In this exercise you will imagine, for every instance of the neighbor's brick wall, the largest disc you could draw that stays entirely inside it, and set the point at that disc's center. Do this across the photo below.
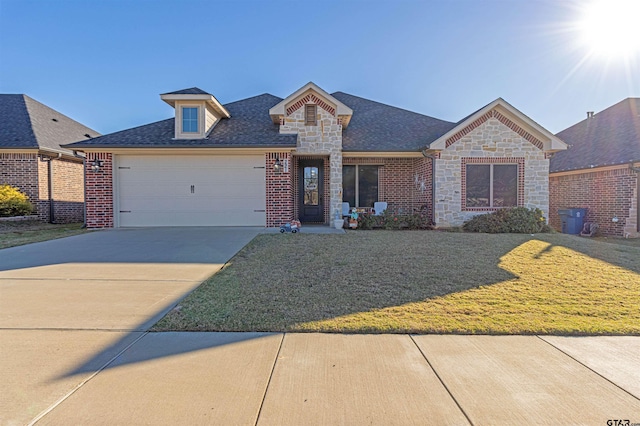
(68, 191)
(606, 194)
(99, 192)
(490, 138)
(21, 171)
(29, 173)
(279, 191)
(397, 181)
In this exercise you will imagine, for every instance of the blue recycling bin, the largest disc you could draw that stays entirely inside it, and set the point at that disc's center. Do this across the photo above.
(572, 220)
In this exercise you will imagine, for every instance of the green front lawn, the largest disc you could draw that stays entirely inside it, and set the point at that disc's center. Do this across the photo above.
(25, 232)
(420, 282)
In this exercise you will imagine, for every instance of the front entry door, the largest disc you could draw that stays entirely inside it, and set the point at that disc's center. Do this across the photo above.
(311, 191)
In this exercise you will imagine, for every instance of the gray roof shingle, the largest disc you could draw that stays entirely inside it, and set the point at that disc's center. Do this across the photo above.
(26, 123)
(190, 91)
(249, 126)
(610, 137)
(380, 127)
(373, 127)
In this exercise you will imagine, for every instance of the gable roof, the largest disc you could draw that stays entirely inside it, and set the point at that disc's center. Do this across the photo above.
(508, 115)
(608, 138)
(250, 126)
(27, 124)
(341, 110)
(379, 127)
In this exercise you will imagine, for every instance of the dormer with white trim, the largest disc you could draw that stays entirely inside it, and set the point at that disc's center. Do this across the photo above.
(196, 112)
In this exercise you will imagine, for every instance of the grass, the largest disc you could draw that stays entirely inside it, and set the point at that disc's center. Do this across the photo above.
(16, 233)
(420, 282)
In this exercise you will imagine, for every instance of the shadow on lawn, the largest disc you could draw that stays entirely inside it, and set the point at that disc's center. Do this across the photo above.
(280, 281)
(274, 285)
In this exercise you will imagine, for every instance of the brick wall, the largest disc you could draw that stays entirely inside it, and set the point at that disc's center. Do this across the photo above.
(29, 173)
(279, 190)
(404, 183)
(68, 191)
(21, 171)
(606, 194)
(99, 192)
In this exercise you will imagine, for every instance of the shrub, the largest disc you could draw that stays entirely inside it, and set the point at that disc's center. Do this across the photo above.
(13, 202)
(517, 220)
(394, 219)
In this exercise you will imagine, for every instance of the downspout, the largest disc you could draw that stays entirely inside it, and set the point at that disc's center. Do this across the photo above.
(48, 159)
(636, 170)
(84, 187)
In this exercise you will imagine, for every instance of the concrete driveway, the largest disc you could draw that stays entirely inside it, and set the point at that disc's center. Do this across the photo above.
(68, 306)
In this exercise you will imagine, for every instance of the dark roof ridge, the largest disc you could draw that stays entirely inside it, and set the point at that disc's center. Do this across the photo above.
(120, 131)
(390, 106)
(59, 113)
(189, 91)
(252, 97)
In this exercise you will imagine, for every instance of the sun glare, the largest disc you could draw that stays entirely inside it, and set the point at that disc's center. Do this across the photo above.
(611, 28)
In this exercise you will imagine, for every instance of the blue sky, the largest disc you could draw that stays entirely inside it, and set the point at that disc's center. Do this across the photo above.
(104, 63)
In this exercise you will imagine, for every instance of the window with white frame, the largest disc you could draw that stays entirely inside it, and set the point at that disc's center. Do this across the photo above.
(189, 120)
(360, 185)
(491, 185)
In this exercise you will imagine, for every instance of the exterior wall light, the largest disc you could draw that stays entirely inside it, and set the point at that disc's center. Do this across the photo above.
(277, 166)
(96, 164)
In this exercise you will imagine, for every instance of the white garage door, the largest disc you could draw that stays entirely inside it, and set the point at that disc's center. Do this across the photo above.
(190, 190)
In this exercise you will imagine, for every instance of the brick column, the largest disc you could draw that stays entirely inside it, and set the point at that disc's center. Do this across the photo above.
(99, 191)
(279, 190)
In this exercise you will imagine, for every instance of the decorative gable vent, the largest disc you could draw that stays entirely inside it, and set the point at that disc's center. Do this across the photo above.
(310, 115)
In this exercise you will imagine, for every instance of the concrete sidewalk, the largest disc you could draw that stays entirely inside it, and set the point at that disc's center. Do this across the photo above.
(327, 379)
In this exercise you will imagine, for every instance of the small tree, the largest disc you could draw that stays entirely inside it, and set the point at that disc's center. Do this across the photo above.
(13, 202)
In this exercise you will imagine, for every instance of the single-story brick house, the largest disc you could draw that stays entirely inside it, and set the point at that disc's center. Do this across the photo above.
(265, 160)
(32, 159)
(599, 170)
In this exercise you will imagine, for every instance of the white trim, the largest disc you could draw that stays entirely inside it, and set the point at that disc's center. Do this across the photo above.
(188, 151)
(210, 99)
(279, 110)
(379, 154)
(551, 142)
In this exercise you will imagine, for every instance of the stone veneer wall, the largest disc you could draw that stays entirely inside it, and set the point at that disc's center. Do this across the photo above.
(491, 139)
(605, 193)
(324, 139)
(99, 195)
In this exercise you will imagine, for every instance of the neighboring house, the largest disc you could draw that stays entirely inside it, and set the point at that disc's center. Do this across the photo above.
(266, 160)
(32, 159)
(600, 170)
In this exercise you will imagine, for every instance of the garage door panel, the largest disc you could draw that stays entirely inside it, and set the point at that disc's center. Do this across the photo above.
(191, 190)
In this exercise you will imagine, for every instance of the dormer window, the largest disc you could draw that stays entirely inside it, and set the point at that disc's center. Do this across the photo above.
(190, 120)
(310, 115)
